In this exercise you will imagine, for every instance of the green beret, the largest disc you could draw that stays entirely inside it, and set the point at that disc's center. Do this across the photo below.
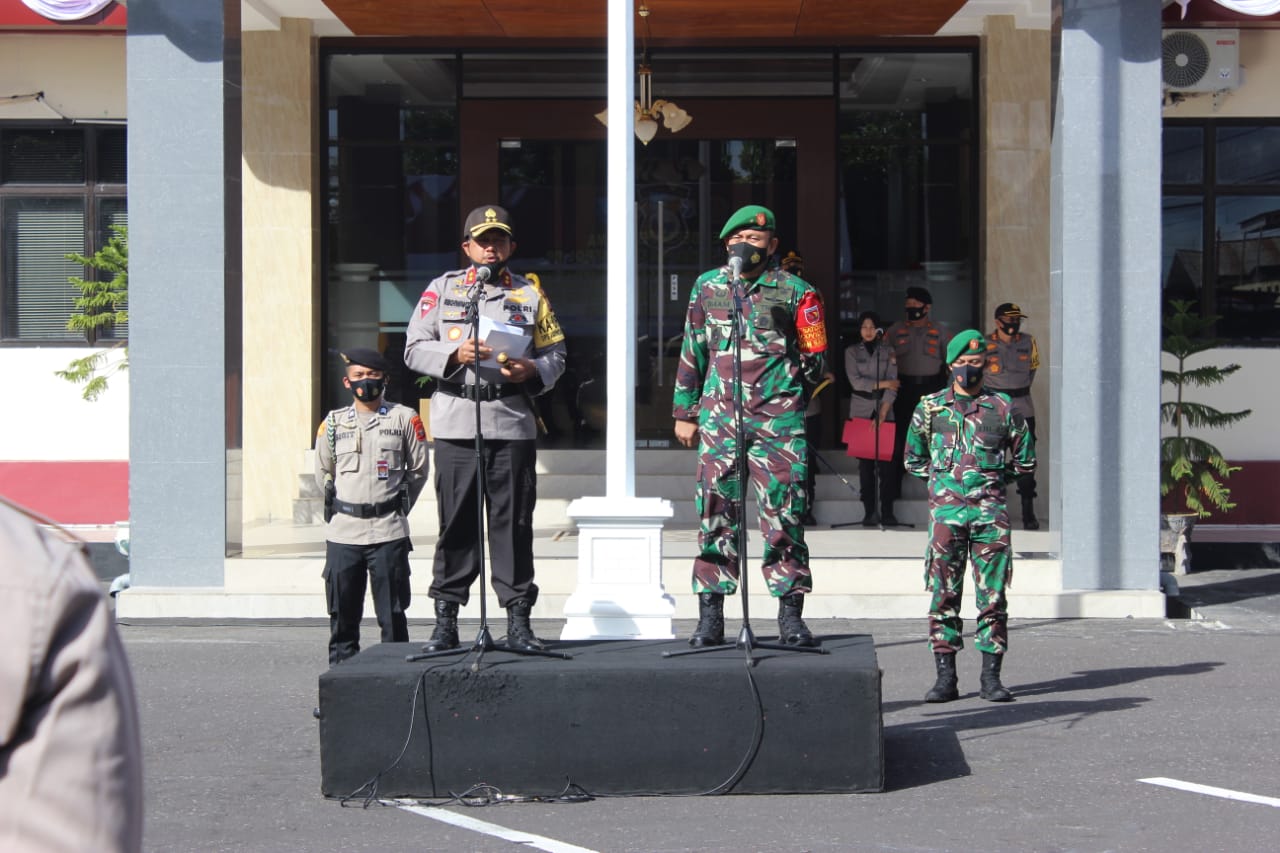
(751, 216)
(968, 342)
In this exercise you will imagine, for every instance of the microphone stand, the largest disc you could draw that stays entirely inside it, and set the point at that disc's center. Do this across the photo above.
(484, 639)
(746, 638)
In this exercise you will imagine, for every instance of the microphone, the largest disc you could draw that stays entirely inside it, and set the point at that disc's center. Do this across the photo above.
(484, 272)
(735, 268)
(879, 332)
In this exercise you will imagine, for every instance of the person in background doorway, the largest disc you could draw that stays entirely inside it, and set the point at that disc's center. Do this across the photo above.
(873, 375)
(1012, 361)
(919, 345)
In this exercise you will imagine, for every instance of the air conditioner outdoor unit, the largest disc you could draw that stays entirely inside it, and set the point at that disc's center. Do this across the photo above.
(1201, 60)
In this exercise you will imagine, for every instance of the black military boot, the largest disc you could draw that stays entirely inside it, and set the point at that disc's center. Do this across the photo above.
(710, 630)
(887, 518)
(870, 518)
(445, 636)
(1029, 520)
(791, 628)
(992, 689)
(945, 689)
(519, 632)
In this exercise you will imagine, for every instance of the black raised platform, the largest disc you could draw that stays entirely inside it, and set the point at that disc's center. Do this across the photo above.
(617, 719)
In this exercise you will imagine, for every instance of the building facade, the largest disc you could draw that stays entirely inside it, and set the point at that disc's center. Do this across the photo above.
(297, 172)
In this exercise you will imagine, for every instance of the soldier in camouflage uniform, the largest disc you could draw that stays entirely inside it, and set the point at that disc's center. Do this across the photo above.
(783, 358)
(439, 343)
(1012, 361)
(968, 443)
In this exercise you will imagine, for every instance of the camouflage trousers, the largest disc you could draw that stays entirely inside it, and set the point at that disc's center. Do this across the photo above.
(776, 469)
(980, 534)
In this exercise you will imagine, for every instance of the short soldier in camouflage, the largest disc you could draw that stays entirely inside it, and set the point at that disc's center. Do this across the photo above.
(1012, 361)
(968, 443)
(371, 461)
(783, 358)
(439, 343)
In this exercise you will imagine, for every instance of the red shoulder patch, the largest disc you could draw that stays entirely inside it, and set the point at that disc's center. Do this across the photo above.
(418, 429)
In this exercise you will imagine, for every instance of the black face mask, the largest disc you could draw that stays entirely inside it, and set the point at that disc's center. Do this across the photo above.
(914, 314)
(1011, 328)
(968, 375)
(366, 390)
(752, 256)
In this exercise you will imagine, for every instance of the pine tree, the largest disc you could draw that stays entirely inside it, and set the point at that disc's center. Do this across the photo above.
(101, 305)
(1190, 467)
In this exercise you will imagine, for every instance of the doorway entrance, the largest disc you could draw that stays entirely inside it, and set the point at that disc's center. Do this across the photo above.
(551, 177)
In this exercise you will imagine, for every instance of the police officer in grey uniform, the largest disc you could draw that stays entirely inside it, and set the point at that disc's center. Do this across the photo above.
(1012, 361)
(920, 347)
(440, 344)
(873, 374)
(371, 461)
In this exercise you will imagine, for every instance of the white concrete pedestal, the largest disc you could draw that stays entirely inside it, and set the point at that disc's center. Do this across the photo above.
(619, 594)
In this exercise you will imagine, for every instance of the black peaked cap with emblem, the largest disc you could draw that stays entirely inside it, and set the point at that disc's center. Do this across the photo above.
(484, 218)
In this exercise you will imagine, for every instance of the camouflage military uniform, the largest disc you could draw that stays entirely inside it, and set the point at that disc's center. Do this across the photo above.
(968, 449)
(1011, 368)
(783, 356)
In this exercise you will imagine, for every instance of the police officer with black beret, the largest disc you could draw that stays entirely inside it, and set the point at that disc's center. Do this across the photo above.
(371, 461)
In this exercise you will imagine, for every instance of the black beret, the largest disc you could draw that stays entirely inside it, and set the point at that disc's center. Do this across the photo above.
(920, 294)
(366, 357)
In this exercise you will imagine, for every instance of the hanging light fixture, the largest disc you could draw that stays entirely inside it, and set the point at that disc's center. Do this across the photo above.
(648, 111)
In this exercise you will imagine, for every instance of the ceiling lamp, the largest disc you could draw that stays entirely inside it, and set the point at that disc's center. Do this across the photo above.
(648, 111)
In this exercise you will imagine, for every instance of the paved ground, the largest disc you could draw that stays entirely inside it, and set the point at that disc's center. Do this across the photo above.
(233, 753)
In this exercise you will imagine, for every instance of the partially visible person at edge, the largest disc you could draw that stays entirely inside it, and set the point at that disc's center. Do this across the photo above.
(371, 461)
(793, 263)
(70, 751)
(1012, 361)
(783, 357)
(440, 343)
(873, 374)
(919, 345)
(968, 443)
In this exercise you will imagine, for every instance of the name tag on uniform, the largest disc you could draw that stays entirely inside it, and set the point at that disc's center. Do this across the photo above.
(383, 471)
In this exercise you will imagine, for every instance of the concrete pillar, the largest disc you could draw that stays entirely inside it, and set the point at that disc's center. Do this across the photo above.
(1016, 214)
(184, 289)
(1105, 292)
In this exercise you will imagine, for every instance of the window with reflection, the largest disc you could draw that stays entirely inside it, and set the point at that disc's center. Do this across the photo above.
(391, 220)
(908, 183)
(1221, 223)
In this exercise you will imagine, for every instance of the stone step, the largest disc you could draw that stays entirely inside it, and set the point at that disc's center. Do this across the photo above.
(858, 573)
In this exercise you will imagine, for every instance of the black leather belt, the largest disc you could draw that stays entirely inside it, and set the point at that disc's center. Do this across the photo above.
(367, 510)
(1014, 392)
(486, 393)
(866, 395)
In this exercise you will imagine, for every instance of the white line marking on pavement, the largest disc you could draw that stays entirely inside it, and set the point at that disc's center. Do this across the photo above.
(537, 842)
(1211, 791)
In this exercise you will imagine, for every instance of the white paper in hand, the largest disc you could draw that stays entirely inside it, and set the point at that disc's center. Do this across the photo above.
(501, 338)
